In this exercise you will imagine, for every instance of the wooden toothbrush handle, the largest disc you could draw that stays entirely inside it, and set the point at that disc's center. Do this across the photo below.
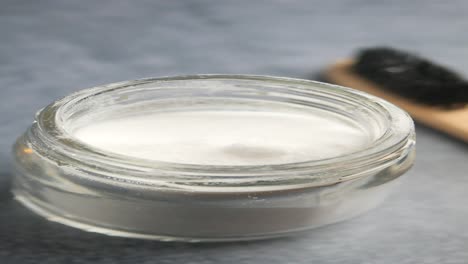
(453, 122)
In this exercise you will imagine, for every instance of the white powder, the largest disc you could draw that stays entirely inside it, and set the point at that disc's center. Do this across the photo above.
(227, 137)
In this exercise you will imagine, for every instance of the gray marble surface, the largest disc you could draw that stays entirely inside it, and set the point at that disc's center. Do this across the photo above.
(51, 48)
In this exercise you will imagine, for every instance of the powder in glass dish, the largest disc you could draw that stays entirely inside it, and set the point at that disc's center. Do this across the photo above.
(226, 137)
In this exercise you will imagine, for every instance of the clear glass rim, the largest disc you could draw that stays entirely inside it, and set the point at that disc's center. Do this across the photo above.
(383, 152)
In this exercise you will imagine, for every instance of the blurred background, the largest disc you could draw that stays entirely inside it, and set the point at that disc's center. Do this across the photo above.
(50, 48)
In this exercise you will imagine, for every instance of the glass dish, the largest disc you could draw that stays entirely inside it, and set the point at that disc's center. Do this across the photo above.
(70, 182)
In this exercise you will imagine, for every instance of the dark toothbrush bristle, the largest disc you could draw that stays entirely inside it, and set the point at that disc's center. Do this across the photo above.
(411, 76)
